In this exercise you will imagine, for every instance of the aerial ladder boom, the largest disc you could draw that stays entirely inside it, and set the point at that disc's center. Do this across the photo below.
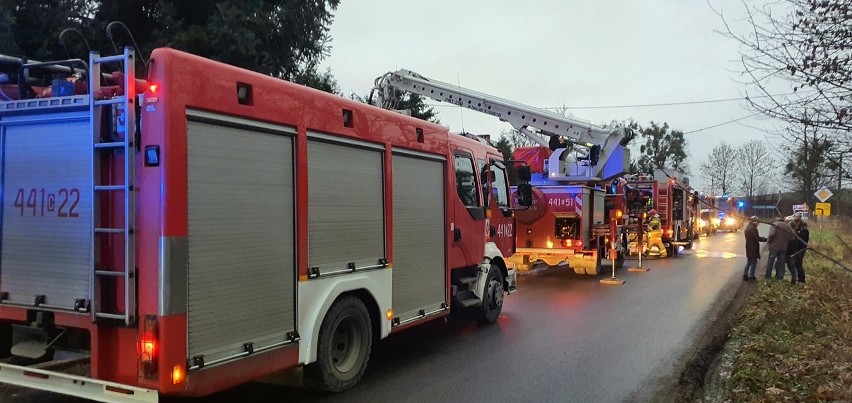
(594, 146)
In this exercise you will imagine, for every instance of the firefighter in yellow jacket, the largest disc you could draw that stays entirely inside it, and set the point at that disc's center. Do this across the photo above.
(655, 233)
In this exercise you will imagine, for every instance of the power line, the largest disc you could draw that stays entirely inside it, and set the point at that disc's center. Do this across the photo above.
(706, 101)
(723, 123)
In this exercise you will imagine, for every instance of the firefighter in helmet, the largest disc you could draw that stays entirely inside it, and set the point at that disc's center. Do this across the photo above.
(655, 233)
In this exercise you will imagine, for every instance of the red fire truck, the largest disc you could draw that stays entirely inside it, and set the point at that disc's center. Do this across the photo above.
(210, 226)
(668, 193)
(571, 169)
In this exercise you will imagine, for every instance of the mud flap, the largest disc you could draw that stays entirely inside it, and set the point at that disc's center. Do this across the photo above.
(511, 280)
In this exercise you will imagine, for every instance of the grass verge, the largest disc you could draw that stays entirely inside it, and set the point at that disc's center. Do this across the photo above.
(796, 341)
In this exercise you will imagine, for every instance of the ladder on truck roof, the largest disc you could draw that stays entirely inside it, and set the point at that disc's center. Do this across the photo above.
(123, 110)
(596, 143)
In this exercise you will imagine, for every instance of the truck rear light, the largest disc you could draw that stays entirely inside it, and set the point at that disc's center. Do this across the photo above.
(178, 375)
(152, 88)
(567, 243)
(578, 242)
(148, 346)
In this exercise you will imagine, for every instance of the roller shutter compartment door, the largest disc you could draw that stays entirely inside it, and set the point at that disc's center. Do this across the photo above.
(241, 276)
(345, 207)
(419, 261)
(47, 211)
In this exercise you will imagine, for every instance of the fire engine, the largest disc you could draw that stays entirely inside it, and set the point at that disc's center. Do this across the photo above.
(668, 193)
(568, 221)
(207, 226)
(708, 222)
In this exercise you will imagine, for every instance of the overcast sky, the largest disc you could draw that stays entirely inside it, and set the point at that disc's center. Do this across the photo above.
(549, 53)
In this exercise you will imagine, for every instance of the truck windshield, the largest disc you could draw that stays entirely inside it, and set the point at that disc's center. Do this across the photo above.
(499, 187)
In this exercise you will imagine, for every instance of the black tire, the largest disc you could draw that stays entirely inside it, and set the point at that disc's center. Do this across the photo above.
(492, 298)
(5, 341)
(599, 264)
(343, 349)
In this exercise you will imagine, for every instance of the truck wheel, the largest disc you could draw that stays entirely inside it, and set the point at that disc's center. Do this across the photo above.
(492, 300)
(343, 350)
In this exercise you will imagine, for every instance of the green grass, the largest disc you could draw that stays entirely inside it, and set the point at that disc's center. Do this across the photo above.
(796, 342)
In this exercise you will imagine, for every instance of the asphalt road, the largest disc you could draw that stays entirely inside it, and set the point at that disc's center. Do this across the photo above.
(561, 338)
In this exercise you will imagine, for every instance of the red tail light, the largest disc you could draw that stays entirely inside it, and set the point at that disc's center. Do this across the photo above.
(148, 346)
(578, 242)
(567, 243)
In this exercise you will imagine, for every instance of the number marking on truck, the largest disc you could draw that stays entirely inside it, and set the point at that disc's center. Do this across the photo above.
(40, 202)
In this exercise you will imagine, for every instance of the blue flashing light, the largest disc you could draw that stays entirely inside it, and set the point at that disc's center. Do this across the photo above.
(740, 204)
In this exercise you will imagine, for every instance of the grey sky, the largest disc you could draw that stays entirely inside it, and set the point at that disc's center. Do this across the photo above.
(550, 53)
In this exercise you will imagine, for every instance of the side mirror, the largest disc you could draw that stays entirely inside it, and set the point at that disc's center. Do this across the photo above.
(523, 173)
(525, 196)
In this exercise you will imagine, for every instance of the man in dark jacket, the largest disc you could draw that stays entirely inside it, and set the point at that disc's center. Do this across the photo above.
(792, 249)
(752, 244)
(801, 247)
(780, 235)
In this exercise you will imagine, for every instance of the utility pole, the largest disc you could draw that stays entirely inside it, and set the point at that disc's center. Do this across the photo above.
(840, 173)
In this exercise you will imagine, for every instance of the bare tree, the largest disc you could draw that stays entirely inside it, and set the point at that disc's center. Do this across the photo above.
(807, 164)
(719, 168)
(754, 168)
(802, 50)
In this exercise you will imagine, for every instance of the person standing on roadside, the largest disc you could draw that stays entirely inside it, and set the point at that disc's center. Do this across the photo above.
(752, 244)
(802, 245)
(780, 235)
(792, 249)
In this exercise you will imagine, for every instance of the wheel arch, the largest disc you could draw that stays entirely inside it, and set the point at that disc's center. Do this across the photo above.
(316, 299)
(495, 257)
(501, 264)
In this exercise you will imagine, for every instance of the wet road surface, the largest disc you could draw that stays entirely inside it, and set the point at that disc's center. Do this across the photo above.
(561, 337)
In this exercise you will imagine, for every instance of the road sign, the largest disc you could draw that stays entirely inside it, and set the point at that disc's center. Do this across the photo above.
(823, 194)
(822, 209)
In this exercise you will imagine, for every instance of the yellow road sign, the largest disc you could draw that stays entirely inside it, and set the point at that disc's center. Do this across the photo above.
(822, 209)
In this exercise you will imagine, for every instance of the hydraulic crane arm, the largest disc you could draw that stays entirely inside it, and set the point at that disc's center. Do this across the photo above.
(595, 143)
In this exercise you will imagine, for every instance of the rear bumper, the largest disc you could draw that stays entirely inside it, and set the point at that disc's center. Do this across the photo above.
(74, 385)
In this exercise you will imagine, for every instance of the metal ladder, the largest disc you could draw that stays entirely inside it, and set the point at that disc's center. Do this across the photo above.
(123, 110)
(663, 204)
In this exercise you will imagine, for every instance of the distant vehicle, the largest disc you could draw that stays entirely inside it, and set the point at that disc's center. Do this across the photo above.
(709, 222)
(801, 211)
(728, 223)
(800, 214)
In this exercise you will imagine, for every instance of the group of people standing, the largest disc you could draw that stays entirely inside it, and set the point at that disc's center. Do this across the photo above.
(787, 242)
